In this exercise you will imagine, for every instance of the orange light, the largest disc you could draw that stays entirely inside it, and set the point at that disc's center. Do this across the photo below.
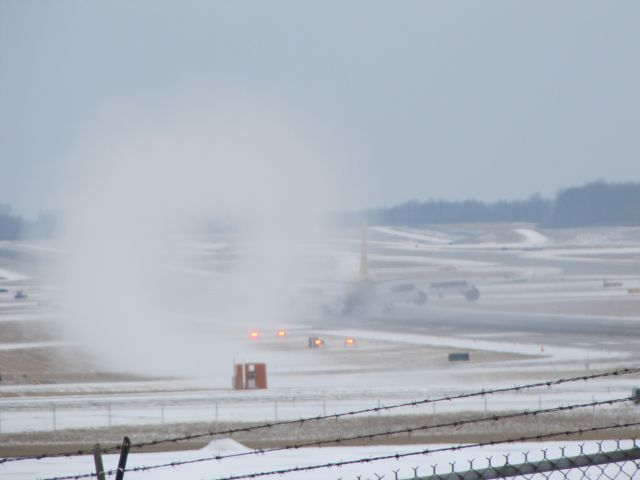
(254, 334)
(317, 341)
(349, 341)
(281, 333)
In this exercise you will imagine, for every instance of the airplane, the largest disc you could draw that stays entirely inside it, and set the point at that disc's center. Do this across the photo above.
(366, 293)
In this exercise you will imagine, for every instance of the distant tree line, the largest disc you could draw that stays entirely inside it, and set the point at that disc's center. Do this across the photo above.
(16, 227)
(593, 204)
(11, 226)
(596, 204)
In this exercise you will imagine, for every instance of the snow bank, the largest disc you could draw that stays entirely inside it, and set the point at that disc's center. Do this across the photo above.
(226, 445)
(11, 276)
(28, 345)
(532, 238)
(411, 235)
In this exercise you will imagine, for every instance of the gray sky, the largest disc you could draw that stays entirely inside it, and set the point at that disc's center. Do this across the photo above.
(439, 99)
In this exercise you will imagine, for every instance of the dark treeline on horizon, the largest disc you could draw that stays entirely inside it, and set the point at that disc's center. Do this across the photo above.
(16, 227)
(593, 204)
(11, 226)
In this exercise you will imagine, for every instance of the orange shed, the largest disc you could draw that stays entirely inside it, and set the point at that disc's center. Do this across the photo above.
(248, 376)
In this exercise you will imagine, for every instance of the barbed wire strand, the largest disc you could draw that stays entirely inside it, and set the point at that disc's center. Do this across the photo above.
(390, 433)
(341, 440)
(455, 448)
(318, 418)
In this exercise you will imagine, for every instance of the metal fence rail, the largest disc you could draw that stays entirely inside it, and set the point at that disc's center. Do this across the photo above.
(617, 464)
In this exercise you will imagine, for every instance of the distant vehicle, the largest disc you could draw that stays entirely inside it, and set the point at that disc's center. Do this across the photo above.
(459, 357)
(315, 342)
(4, 290)
(472, 294)
(20, 295)
(469, 291)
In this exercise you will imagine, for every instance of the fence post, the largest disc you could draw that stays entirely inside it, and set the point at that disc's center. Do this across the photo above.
(124, 453)
(539, 416)
(97, 459)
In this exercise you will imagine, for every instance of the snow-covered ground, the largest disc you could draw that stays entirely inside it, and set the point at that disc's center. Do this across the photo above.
(532, 237)
(328, 381)
(422, 235)
(411, 459)
(11, 275)
(551, 354)
(56, 414)
(524, 276)
(30, 345)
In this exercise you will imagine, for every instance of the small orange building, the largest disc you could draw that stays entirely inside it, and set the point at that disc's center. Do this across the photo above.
(249, 376)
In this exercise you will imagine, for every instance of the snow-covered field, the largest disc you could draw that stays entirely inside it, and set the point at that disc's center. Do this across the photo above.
(406, 467)
(553, 304)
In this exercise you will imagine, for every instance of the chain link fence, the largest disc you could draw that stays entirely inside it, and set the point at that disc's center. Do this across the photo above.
(617, 464)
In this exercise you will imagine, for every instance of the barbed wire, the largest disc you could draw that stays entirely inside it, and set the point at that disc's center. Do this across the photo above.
(427, 451)
(340, 440)
(301, 421)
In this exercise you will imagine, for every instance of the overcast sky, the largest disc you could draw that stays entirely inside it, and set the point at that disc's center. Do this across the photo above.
(492, 99)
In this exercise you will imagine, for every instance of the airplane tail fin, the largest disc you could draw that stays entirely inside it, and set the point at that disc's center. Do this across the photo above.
(364, 259)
